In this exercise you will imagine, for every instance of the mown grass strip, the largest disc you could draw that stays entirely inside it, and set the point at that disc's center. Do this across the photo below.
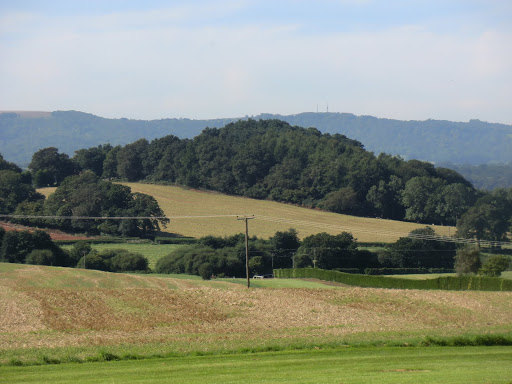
(363, 365)
(54, 356)
(452, 283)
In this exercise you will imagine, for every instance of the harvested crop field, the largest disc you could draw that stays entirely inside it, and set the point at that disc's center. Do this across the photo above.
(196, 213)
(200, 213)
(44, 307)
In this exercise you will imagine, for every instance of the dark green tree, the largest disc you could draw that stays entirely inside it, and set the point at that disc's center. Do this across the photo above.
(14, 190)
(110, 163)
(494, 266)
(344, 200)
(467, 260)
(130, 160)
(127, 262)
(205, 271)
(488, 219)
(455, 200)
(386, 198)
(92, 159)
(93, 261)
(284, 245)
(85, 195)
(327, 251)
(41, 257)
(49, 167)
(16, 246)
(421, 198)
(8, 166)
(420, 250)
(79, 250)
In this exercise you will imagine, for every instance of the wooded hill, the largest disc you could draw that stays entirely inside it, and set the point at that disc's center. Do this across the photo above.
(270, 159)
(473, 142)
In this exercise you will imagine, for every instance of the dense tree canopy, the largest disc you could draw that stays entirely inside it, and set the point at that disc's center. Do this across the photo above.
(49, 167)
(88, 196)
(332, 251)
(419, 251)
(92, 159)
(270, 159)
(15, 187)
(490, 217)
(7, 166)
(19, 247)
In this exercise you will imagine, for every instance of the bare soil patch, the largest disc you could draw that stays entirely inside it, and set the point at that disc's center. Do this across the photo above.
(54, 233)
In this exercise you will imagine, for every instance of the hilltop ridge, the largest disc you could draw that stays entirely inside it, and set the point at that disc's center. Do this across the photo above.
(474, 142)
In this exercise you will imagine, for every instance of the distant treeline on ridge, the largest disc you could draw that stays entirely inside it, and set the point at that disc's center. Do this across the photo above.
(270, 159)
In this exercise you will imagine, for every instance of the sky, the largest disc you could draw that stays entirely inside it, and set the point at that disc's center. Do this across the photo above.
(399, 59)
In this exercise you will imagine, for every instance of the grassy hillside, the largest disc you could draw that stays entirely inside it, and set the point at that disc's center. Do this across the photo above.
(68, 314)
(216, 215)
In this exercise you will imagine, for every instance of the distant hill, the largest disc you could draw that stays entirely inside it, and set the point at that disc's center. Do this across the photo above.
(474, 142)
(484, 176)
(22, 134)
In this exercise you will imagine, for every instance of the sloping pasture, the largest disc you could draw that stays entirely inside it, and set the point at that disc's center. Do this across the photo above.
(199, 213)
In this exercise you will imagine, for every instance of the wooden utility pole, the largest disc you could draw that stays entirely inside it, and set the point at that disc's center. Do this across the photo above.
(246, 219)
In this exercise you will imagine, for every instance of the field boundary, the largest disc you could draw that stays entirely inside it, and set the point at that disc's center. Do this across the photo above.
(113, 353)
(449, 283)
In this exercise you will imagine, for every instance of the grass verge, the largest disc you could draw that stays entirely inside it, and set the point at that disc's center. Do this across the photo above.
(53, 356)
(361, 365)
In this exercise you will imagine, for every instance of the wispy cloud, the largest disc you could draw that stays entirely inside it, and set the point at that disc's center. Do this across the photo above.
(231, 58)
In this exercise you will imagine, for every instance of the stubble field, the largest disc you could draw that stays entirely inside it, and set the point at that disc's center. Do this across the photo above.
(69, 313)
(199, 213)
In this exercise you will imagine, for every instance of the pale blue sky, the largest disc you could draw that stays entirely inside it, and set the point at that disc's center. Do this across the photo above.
(206, 59)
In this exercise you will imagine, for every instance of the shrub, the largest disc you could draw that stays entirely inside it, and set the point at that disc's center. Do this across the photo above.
(93, 261)
(79, 251)
(41, 257)
(467, 260)
(494, 266)
(127, 261)
(206, 271)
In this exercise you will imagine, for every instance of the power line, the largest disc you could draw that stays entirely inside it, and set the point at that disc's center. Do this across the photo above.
(85, 217)
(279, 220)
(111, 217)
(383, 232)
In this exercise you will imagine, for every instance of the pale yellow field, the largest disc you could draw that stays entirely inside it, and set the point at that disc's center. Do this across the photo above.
(46, 191)
(48, 307)
(200, 213)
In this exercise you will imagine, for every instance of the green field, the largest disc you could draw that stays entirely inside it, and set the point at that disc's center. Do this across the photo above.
(153, 252)
(360, 365)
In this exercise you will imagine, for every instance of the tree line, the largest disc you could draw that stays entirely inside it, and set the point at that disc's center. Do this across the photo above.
(37, 248)
(225, 256)
(473, 142)
(270, 159)
(84, 195)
